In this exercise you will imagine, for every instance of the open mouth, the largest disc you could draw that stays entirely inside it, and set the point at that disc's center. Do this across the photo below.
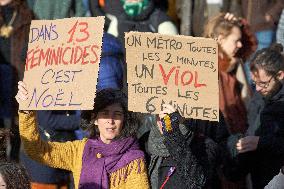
(110, 129)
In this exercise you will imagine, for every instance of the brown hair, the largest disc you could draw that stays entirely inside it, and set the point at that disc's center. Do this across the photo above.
(218, 25)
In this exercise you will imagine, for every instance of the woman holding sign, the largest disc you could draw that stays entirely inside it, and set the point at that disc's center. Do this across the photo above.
(110, 158)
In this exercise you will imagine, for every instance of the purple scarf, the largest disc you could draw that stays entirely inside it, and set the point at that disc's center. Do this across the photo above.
(100, 160)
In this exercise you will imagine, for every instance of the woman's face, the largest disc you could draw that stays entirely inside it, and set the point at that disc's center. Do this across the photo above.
(2, 183)
(232, 43)
(110, 122)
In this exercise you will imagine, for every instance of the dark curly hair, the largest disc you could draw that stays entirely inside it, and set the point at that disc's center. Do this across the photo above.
(14, 175)
(4, 135)
(104, 98)
(271, 60)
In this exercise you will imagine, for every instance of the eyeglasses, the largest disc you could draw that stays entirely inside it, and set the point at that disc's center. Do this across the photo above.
(263, 84)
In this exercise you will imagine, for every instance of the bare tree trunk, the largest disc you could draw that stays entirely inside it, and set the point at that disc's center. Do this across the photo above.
(184, 10)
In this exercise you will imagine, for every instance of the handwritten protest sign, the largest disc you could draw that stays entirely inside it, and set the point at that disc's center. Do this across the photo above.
(62, 63)
(177, 70)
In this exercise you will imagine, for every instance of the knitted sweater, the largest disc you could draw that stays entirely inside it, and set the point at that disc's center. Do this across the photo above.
(68, 155)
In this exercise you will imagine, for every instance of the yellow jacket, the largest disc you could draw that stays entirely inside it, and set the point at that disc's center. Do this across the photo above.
(68, 156)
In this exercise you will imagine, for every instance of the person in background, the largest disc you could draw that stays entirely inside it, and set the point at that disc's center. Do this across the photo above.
(193, 15)
(15, 20)
(13, 176)
(142, 16)
(126, 15)
(54, 9)
(235, 44)
(181, 155)
(261, 151)
(87, 8)
(110, 158)
(112, 65)
(263, 17)
(108, 8)
(226, 30)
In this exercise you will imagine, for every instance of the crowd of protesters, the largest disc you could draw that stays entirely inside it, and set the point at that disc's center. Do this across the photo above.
(111, 147)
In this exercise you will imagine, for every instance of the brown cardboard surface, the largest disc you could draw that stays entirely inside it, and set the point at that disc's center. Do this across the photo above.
(62, 63)
(179, 70)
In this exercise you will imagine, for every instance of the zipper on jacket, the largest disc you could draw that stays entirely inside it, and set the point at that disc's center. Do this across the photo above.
(170, 172)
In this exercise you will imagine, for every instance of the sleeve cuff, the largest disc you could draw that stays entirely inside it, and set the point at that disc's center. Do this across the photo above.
(26, 113)
(170, 122)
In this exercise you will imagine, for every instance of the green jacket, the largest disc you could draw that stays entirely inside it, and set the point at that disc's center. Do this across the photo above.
(55, 9)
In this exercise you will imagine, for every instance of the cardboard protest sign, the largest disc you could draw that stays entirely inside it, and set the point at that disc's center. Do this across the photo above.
(177, 70)
(62, 63)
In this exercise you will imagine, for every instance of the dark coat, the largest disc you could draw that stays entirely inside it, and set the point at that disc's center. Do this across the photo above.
(195, 160)
(112, 67)
(265, 161)
(270, 149)
(19, 39)
(148, 21)
(194, 153)
(58, 125)
(16, 62)
(18, 47)
(109, 7)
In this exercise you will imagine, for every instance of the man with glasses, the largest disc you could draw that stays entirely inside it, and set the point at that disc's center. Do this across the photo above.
(261, 151)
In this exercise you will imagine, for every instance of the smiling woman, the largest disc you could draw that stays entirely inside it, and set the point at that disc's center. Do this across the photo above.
(110, 158)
